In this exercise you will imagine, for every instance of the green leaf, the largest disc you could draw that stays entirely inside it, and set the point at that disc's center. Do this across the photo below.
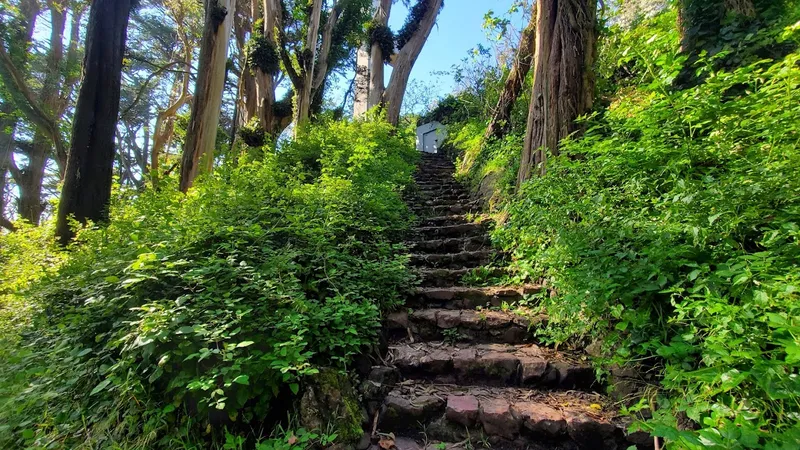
(295, 388)
(103, 384)
(244, 344)
(242, 379)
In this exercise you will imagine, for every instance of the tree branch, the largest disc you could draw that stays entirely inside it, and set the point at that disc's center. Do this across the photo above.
(25, 101)
(146, 84)
(327, 38)
(294, 77)
(5, 223)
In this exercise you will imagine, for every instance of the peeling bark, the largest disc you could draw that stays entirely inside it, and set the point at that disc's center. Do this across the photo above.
(303, 90)
(202, 130)
(563, 78)
(404, 62)
(376, 74)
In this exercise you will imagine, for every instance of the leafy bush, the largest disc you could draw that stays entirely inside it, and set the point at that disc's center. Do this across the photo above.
(671, 230)
(196, 311)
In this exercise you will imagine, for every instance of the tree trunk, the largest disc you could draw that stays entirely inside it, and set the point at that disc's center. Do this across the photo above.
(393, 97)
(201, 134)
(500, 124)
(30, 204)
(242, 29)
(376, 59)
(361, 82)
(87, 182)
(265, 83)
(307, 58)
(8, 125)
(563, 87)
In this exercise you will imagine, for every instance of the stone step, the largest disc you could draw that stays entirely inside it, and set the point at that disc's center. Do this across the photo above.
(471, 297)
(439, 192)
(464, 325)
(452, 260)
(506, 417)
(456, 230)
(452, 277)
(440, 196)
(445, 210)
(434, 177)
(444, 201)
(442, 183)
(450, 245)
(442, 277)
(455, 219)
(525, 365)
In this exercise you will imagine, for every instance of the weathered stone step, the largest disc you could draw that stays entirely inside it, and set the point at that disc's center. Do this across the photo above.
(442, 277)
(465, 325)
(441, 193)
(442, 183)
(446, 196)
(444, 210)
(455, 219)
(452, 260)
(456, 230)
(450, 245)
(507, 417)
(493, 365)
(472, 297)
(452, 277)
(443, 201)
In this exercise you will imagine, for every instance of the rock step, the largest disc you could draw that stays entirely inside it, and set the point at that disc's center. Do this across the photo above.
(442, 277)
(434, 178)
(466, 325)
(451, 191)
(445, 209)
(443, 196)
(471, 297)
(445, 183)
(450, 245)
(456, 230)
(507, 417)
(443, 201)
(525, 365)
(452, 277)
(455, 219)
(452, 260)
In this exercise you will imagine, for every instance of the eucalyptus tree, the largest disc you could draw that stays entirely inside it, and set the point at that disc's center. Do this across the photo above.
(400, 50)
(202, 130)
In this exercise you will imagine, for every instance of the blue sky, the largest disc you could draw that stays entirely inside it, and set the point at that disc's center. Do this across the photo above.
(458, 30)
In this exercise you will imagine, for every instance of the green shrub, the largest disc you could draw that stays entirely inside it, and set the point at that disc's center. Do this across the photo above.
(197, 311)
(671, 231)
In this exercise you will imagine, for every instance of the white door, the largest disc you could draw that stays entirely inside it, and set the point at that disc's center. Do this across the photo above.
(429, 142)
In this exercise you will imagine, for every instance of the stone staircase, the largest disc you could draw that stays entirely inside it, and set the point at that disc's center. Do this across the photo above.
(463, 369)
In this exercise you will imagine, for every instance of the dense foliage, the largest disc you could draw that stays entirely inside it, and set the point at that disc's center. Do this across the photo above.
(669, 232)
(206, 310)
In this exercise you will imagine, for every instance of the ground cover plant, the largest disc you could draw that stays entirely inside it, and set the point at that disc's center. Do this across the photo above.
(207, 310)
